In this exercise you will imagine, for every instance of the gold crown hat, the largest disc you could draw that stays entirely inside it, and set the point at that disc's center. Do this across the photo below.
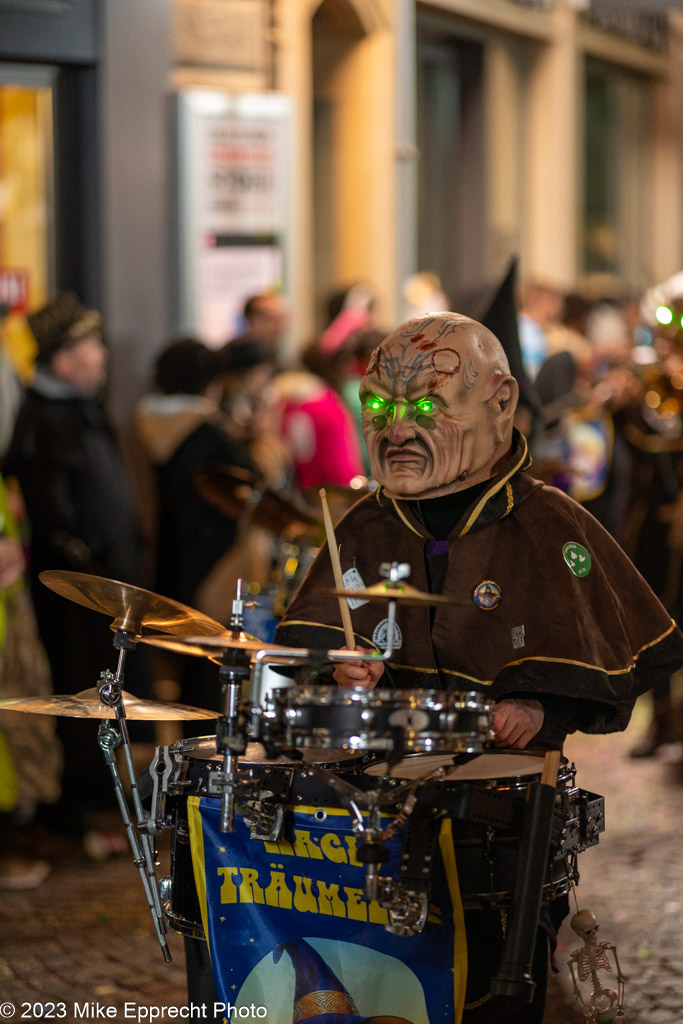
(319, 996)
(61, 322)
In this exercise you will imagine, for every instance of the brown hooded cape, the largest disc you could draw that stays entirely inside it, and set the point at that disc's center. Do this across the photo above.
(591, 644)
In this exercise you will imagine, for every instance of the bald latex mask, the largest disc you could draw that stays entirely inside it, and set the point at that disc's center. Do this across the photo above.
(438, 403)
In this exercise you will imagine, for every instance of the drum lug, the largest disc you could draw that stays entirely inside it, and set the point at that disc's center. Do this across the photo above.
(591, 817)
(275, 823)
(160, 771)
(578, 822)
(407, 908)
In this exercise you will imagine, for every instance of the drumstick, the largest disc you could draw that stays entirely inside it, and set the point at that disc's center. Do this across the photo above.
(336, 570)
(551, 766)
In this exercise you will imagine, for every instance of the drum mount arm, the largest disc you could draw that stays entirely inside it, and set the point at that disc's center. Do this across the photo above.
(407, 906)
(311, 654)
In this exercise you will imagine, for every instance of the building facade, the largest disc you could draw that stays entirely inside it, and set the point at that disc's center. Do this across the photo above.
(175, 154)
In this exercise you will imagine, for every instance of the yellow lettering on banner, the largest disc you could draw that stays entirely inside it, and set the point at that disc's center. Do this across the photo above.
(304, 846)
(277, 894)
(228, 889)
(282, 847)
(331, 846)
(250, 892)
(328, 899)
(351, 843)
(356, 907)
(304, 900)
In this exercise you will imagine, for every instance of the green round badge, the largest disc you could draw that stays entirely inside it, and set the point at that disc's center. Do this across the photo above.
(577, 558)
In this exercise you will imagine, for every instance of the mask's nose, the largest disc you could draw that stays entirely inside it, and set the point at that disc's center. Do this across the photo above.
(400, 426)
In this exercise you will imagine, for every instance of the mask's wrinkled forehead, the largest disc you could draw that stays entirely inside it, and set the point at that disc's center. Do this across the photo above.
(424, 354)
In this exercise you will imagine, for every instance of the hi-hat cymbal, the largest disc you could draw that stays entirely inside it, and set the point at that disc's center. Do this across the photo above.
(87, 704)
(231, 489)
(387, 591)
(132, 607)
(214, 647)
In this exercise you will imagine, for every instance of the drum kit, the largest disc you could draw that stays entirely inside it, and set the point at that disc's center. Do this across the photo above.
(416, 757)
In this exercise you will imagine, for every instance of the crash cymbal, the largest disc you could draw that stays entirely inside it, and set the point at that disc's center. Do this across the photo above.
(132, 607)
(87, 704)
(387, 591)
(227, 488)
(230, 489)
(214, 647)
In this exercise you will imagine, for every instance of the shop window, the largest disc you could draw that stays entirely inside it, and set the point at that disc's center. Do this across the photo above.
(616, 171)
(26, 202)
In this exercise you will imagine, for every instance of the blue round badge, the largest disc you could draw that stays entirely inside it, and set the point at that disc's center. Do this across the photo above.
(487, 595)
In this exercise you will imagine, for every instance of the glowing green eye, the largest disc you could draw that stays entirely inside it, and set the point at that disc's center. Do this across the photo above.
(426, 405)
(374, 403)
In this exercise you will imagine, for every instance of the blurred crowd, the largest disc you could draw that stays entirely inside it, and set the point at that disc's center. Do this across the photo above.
(238, 445)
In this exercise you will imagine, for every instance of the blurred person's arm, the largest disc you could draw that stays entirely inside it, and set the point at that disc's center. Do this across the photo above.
(12, 562)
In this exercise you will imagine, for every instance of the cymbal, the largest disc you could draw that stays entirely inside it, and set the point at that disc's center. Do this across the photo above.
(87, 704)
(227, 488)
(230, 489)
(387, 591)
(132, 607)
(214, 647)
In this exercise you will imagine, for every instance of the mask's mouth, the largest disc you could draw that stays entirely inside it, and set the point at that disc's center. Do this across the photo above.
(404, 453)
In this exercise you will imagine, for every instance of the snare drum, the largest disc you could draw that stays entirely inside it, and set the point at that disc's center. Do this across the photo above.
(416, 721)
(485, 797)
(270, 785)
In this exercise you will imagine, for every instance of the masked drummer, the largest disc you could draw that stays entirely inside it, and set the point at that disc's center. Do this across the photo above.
(548, 617)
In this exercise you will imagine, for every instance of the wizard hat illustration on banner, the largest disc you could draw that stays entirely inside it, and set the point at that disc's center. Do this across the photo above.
(319, 995)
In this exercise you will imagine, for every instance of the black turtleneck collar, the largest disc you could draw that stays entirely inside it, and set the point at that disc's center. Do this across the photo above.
(439, 515)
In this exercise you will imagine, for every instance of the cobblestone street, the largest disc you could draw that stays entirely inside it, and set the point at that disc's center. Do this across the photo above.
(86, 935)
(633, 879)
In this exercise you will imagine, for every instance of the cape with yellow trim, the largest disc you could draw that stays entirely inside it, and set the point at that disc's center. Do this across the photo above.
(585, 643)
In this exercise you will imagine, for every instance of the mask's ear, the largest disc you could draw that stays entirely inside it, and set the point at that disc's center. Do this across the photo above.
(502, 405)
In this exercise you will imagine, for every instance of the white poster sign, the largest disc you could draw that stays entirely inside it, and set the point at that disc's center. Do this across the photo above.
(227, 277)
(235, 204)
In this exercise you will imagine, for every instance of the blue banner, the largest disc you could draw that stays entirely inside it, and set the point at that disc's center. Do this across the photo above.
(291, 933)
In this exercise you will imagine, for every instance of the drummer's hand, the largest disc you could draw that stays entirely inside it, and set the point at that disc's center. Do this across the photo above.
(516, 721)
(358, 673)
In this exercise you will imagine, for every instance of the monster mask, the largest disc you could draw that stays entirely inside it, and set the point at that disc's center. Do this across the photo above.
(438, 403)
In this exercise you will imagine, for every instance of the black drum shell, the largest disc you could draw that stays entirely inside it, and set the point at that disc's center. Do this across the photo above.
(284, 780)
(486, 851)
(485, 848)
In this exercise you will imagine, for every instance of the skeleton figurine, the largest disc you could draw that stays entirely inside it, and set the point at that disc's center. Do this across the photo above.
(605, 1005)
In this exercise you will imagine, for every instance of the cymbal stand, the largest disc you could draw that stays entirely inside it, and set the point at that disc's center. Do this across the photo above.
(109, 739)
(311, 654)
(231, 733)
(110, 689)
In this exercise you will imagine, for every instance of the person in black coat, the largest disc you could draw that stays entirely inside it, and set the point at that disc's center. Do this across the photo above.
(82, 513)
